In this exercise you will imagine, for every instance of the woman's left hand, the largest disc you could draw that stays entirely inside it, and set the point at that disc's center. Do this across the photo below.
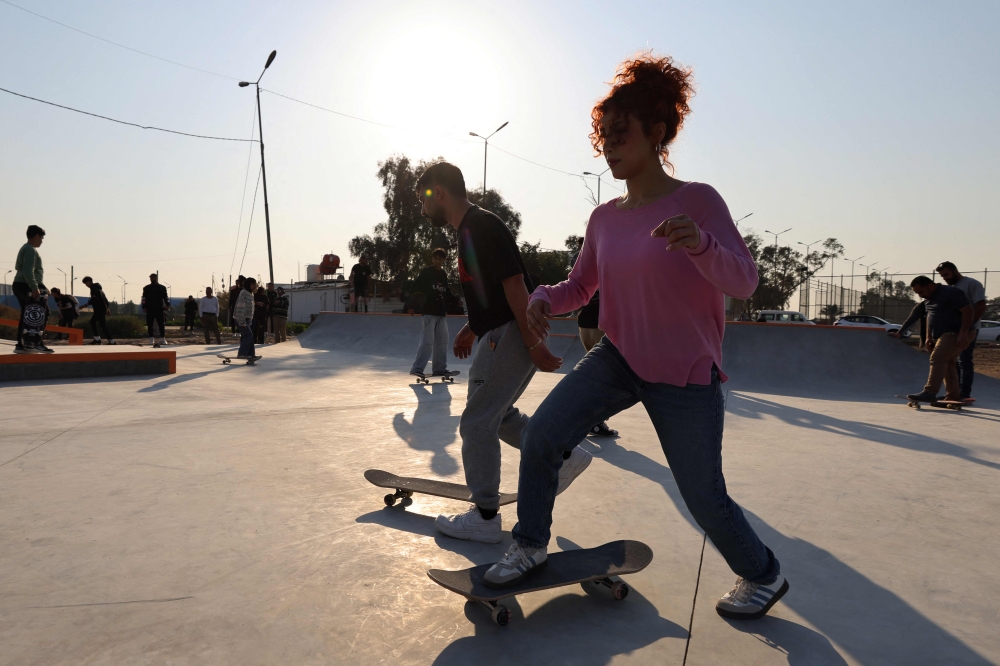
(680, 231)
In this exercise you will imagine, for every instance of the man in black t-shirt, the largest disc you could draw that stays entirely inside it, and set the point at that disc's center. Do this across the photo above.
(949, 324)
(155, 304)
(432, 283)
(359, 282)
(102, 308)
(495, 285)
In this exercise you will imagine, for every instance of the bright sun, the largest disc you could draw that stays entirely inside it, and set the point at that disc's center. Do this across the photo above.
(441, 77)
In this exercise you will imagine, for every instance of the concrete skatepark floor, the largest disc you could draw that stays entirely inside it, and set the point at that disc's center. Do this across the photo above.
(220, 516)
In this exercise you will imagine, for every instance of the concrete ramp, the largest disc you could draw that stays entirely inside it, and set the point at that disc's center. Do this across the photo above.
(397, 335)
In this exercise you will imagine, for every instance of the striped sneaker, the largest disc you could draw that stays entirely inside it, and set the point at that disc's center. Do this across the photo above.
(515, 566)
(749, 601)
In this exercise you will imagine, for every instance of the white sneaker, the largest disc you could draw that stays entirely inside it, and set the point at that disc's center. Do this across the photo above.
(573, 467)
(749, 601)
(471, 526)
(518, 563)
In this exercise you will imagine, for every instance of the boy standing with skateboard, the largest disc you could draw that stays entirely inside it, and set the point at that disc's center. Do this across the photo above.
(494, 282)
(433, 284)
(243, 316)
(30, 290)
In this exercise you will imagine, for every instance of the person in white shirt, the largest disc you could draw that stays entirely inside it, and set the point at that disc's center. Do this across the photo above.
(973, 290)
(208, 310)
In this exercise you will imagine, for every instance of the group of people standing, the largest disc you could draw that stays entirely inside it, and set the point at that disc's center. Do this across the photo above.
(270, 310)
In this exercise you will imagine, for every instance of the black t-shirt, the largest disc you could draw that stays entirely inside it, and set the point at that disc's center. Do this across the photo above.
(943, 310)
(98, 300)
(361, 274)
(154, 297)
(487, 255)
(590, 313)
(433, 283)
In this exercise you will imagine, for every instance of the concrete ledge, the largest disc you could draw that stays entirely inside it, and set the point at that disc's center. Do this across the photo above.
(24, 367)
(75, 334)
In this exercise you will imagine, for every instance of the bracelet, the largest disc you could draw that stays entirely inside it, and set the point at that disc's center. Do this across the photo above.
(532, 347)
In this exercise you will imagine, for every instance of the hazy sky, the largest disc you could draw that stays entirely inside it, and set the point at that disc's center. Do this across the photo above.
(873, 122)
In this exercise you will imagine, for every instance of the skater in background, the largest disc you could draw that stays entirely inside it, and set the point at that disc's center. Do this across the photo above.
(69, 310)
(974, 291)
(280, 315)
(190, 312)
(155, 304)
(101, 306)
(29, 287)
(949, 331)
(260, 316)
(208, 311)
(433, 284)
(234, 294)
(358, 281)
(243, 315)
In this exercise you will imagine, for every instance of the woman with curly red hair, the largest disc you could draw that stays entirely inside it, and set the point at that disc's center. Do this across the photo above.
(664, 255)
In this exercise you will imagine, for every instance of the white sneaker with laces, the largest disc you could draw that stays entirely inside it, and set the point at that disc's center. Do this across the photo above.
(573, 467)
(750, 601)
(518, 563)
(471, 526)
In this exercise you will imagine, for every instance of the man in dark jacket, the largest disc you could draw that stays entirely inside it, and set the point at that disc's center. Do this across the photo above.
(102, 308)
(280, 315)
(949, 325)
(155, 304)
(234, 294)
(68, 309)
(190, 312)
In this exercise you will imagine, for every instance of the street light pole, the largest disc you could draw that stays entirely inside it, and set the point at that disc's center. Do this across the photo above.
(486, 147)
(6, 293)
(124, 283)
(852, 275)
(776, 237)
(263, 171)
(598, 176)
(64, 278)
(737, 222)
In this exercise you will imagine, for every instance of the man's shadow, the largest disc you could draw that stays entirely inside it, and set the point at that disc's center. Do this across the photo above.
(432, 428)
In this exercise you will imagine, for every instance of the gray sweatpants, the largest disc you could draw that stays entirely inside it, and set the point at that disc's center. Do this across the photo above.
(501, 370)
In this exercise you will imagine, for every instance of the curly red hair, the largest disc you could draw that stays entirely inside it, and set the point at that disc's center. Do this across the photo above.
(656, 90)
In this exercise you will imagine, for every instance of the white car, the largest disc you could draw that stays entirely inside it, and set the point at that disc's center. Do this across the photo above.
(868, 321)
(783, 317)
(989, 330)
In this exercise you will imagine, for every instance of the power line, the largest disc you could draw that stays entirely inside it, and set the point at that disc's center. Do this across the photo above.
(122, 46)
(243, 199)
(250, 225)
(122, 122)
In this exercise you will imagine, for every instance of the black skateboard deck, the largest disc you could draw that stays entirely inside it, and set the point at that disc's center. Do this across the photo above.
(226, 360)
(406, 486)
(594, 567)
(942, 404)
(450, 377)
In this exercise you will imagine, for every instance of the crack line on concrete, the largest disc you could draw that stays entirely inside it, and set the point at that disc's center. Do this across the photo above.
(116, 603)
(65, 431)
(697, 582)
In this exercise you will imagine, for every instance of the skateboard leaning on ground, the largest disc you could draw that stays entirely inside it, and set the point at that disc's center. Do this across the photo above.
(943, 404)
(596, 568)
(447, 377)
(406, 486)
(226, 360)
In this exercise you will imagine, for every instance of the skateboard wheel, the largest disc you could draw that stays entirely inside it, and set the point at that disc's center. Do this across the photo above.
(406, 501)
(501, 615)
(619, 590)
(389, 500)
(405, 493)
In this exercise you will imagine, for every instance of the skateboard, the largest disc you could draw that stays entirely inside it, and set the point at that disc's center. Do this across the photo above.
(449, 377)
(406, 486)
(226, 360)
(596, 568)
(34, 316)
(943, 404)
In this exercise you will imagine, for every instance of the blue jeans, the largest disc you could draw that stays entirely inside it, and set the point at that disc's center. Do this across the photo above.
(966, 369)
(246, 341)
(433, 339)
(688, 421)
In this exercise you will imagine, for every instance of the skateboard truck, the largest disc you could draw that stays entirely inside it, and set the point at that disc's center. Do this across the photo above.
(618, 588)
(499, 612)
(405, 495)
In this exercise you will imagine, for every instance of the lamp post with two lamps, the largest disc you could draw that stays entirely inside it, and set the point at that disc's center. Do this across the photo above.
(486, 147)
(598, 176)
(263, 172)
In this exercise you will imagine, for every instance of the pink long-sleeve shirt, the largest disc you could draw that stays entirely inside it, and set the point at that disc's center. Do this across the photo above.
(665, 311)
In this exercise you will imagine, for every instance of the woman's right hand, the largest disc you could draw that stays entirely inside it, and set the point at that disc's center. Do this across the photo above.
(537, 317)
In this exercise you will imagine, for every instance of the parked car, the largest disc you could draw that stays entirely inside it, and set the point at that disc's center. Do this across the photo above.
(868, 321)
(783, 317)
(990, 330)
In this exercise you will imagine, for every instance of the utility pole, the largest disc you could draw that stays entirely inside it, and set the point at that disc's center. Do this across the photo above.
(598, 176)
(486, 147)
(263, 171)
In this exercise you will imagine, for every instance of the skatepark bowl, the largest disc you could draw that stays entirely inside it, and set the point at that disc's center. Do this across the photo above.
(220, 515)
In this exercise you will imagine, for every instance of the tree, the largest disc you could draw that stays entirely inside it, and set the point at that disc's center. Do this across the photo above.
(400, 247)
(992, 308)
(544, 266)
(781, 270)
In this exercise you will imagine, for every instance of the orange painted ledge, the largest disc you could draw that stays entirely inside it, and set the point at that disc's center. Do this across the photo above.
(169, 356)
(75, 334)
